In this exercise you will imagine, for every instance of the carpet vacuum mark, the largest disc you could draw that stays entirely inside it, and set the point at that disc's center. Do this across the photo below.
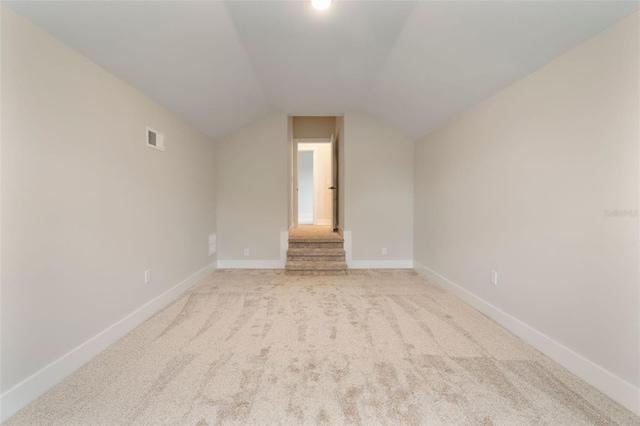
(370, 347)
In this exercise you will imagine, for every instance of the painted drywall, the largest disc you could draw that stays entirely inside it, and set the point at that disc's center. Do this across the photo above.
(378, 190)
(291, 165)
(252, 191)
(523, 184)
(313, 127)
(339, 146)
(86, 206)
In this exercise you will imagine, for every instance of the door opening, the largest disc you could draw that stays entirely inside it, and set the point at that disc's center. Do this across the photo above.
(314, 146)
(314, 182)
(305, 188)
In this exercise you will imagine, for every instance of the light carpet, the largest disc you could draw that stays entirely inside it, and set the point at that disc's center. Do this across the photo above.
(372, 347)
(314, 232)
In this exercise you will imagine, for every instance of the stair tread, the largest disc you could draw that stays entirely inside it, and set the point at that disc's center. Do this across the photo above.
(316, 251)
(331, 272)
(316, 240)
(316, 266)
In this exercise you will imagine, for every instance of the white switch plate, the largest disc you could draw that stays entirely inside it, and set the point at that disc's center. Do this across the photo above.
(246, 252)
(147, 276)
(384, 251)
(494, 278)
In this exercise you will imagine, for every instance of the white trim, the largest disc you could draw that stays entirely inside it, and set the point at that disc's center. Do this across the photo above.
(370, 264)
(380, 264)
(38, 383)
(616, 388)
(261, 264)
(348, 246)
(284, 246)
(311, 140)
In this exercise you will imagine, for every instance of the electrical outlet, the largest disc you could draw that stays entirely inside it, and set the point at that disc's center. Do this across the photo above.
(147, 276)
(494, 278)
(246, 252)
(384, 251)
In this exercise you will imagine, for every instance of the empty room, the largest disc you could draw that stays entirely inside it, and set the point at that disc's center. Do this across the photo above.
(331, 212)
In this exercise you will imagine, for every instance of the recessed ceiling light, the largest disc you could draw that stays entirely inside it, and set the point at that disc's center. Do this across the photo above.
(321, 4)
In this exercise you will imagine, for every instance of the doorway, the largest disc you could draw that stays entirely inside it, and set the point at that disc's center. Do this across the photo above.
(306, 202)
(318, 137)
(315, 204)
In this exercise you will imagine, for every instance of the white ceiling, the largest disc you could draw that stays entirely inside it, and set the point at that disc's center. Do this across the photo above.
(413, 65)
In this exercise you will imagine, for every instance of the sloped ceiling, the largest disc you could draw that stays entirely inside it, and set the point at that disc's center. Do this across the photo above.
(413, 65)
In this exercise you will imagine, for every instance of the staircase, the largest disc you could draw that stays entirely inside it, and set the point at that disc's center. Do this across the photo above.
(315, 250)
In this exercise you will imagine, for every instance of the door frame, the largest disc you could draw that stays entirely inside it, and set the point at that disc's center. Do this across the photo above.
(297, 141)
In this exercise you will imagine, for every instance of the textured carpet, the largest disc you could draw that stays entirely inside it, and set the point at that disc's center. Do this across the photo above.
(314, 251)
(313, 232)
(372, 347)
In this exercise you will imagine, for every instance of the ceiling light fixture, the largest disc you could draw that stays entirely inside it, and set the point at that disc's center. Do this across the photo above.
(321, 4)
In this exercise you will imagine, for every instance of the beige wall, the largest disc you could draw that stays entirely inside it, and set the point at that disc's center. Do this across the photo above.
(86, 206)
(313, 127)
(292, 163)
(378, 190)
(253, 191)
(520, 185)
(339, 140)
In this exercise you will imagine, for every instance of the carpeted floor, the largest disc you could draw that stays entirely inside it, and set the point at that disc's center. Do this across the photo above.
(372, 347)
(313, 232)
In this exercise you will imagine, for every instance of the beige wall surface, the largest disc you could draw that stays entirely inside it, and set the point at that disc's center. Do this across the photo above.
(313, 127)
(339, 135)
(521, 184)
(253, 165)
(290, 164)
(86, 206)
(378, 189)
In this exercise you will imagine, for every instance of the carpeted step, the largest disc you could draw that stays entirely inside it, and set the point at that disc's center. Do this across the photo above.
(316, 240)
(316, 254)
(294, 244)
(317, 273)
(296, 265)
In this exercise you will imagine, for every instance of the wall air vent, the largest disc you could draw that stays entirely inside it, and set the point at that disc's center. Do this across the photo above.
(155, 139)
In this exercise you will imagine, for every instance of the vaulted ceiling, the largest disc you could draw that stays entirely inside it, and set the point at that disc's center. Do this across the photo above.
(412, 65)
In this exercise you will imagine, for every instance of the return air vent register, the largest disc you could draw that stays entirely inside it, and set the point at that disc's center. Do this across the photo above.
(155, 139)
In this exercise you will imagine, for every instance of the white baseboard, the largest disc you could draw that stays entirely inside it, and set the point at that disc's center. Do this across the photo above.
(323, 222)
(260, 264)
(616, 388)
(370, 264)
(251, 264)
(380, 264)
(38, 383)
